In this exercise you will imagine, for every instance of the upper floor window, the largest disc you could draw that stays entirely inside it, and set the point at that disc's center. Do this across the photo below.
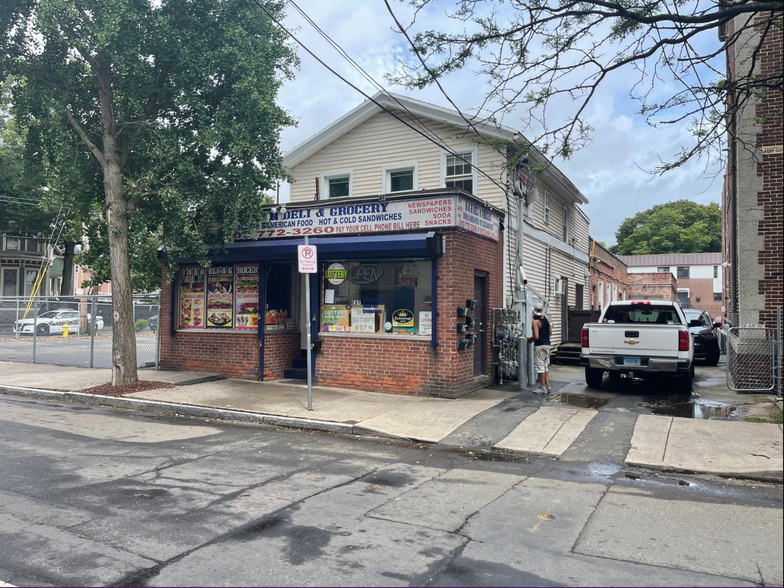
(715, 271)
(338, 185)
(11, 243)
(402, 178)
(32, 245)
(565, 224)
(683, 272)
(663, 269)
(546, 208)
(459, 172)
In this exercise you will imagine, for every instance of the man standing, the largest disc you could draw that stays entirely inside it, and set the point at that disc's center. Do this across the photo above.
(541, 339)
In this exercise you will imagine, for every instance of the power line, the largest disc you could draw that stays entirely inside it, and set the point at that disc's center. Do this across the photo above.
(343, 53)
(373, 100)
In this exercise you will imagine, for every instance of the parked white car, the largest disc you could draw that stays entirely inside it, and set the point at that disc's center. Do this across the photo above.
(52, 322)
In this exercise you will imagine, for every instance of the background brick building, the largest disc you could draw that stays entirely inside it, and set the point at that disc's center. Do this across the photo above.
(697, 278)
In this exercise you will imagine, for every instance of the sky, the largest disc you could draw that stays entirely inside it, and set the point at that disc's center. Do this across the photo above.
(609, 171)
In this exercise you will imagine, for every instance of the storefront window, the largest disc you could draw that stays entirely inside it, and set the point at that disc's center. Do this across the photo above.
(192, 297)
(281, 289)
(227, 297)
(393, 298)
(246, 297)
(220, 297)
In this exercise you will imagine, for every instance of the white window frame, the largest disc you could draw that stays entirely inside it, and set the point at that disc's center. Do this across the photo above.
(334, 175)
(386, 177)
(566, 216)
(600, 301)
(546, 203)
(474, 163)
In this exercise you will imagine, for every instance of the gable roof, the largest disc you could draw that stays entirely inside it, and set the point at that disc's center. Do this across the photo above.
(396, 102)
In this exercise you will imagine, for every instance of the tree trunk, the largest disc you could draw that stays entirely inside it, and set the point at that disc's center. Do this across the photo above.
(123, 333)
(117, 224)
(67, 285)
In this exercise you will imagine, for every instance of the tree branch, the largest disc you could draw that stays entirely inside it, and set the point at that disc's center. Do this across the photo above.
(85, 139)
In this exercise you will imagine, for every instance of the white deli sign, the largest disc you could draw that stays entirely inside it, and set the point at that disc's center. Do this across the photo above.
(307, 259)
(378, 217)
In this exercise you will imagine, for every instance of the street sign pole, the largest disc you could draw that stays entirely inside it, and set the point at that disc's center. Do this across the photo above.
(307, 261)
(310, 343)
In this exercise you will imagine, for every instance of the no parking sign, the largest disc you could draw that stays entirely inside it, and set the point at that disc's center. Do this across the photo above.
(307, 259)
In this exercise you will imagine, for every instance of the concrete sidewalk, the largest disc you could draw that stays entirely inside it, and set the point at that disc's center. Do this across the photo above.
(516, 421)
(726, 448)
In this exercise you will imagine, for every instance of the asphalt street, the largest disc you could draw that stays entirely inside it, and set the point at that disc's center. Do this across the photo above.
(74, 351)
(99, 497)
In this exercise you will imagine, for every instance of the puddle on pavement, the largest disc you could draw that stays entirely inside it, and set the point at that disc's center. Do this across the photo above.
(580, 400)
(692, 409)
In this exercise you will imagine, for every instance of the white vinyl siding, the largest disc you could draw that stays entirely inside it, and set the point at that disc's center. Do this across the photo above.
(381, 142)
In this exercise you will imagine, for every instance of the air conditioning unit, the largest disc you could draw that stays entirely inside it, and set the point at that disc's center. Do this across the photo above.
(560, 287)
(532, 196)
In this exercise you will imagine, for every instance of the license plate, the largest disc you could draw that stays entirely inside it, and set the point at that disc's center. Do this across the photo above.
(631, 361)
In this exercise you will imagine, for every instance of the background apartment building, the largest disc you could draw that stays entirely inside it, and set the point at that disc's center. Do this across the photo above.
(698, 276)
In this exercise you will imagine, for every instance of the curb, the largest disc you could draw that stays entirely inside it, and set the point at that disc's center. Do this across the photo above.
(774, 476)
(173, 409)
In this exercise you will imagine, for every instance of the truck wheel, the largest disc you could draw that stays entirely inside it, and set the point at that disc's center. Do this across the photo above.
(683, 384)
(714, 359)
(593, 377)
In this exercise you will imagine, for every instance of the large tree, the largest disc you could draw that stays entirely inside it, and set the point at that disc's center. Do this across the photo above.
(167, 110)
(681, 226)
(544, 61)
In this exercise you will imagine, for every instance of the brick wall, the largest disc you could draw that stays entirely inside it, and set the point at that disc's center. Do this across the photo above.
(758, 178)
(701, 288)
(383, 364)
(653, 286)
(770, 168)
(609, 269)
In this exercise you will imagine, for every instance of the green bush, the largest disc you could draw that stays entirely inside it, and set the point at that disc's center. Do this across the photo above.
(140, 325)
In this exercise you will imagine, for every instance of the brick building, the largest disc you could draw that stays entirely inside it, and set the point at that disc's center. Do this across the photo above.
(612, 279)
(697, 278)
(752, 206)
(395, 277)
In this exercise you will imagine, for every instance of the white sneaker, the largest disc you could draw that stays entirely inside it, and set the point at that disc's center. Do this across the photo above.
(541, 391)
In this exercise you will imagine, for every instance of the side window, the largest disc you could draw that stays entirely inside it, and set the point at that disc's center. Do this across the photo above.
(546, 208)
(565, 224)
(337, 185)
(683, 272)
(400, 178)
(458, 170)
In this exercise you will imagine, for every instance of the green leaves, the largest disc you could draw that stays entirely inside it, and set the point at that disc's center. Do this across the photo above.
(185, 93)
(681, 226)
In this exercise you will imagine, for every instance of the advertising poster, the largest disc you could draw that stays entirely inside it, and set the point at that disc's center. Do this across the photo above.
(220, 288)
(366, 319)
(246, 297)
(192, 297)
(425, 322)
(335, 317)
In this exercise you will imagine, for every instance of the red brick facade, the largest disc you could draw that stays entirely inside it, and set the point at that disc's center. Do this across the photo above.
(653, 286)
(609, 269)
(382, 364)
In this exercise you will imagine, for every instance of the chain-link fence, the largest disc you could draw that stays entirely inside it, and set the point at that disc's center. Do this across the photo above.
(751, 359)
(73, 330)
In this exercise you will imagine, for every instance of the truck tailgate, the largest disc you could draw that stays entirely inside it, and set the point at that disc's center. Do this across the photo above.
(636, 339)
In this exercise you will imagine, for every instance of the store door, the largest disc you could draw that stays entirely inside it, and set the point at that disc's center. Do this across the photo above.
(480, 315)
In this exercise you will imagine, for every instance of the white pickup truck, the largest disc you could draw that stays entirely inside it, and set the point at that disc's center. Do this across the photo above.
(641, 337)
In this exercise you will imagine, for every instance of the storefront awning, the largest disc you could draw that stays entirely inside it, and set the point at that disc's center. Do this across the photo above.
(416, 245)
